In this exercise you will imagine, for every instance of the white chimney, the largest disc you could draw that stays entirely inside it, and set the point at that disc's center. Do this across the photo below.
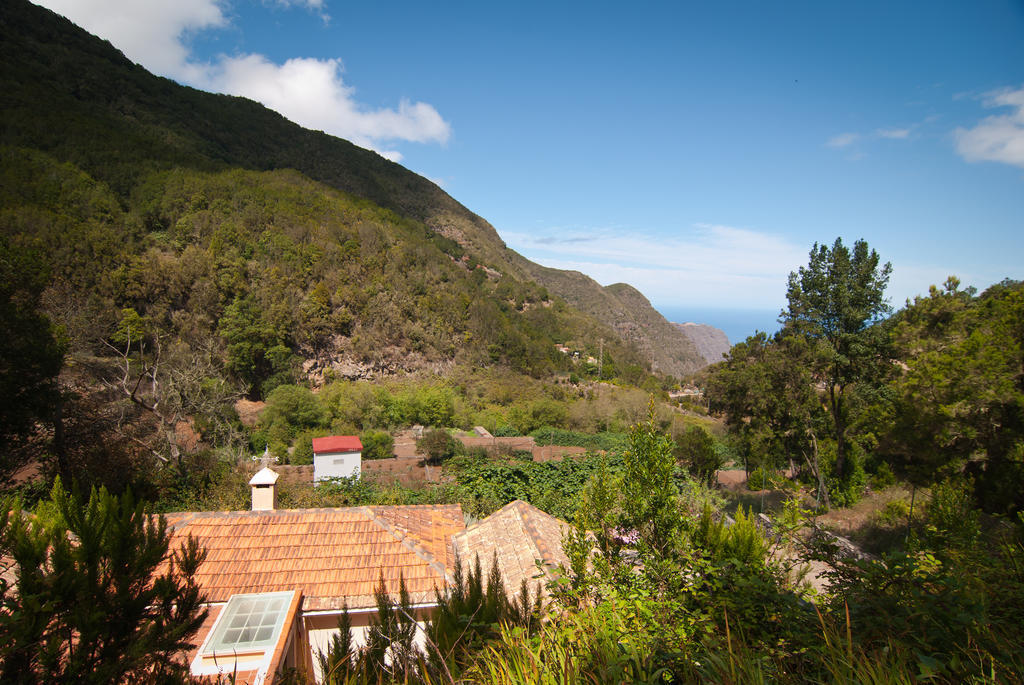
(264, 489)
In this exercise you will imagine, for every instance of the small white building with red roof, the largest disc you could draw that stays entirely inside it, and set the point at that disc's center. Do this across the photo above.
(337, 456)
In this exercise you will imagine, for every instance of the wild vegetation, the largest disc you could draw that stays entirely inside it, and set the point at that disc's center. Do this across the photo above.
(661, 588)
(934, 391)
(158, 265)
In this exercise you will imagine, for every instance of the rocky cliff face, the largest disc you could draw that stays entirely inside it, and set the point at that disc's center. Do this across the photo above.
(711, 342)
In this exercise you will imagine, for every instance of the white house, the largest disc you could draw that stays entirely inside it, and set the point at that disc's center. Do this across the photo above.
(337, 456)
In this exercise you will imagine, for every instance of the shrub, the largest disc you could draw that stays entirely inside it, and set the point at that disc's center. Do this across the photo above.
(291, 409)
(377, 444)
(438, 445)
(505, 431)
(302, 446)
(608, 441)
(883, 477)
(893, 513)
(760, 479)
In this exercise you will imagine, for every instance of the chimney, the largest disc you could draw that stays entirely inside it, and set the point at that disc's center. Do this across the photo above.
(264, 489)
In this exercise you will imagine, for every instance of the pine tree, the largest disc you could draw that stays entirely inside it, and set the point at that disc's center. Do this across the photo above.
(834, 303)
(89, 605)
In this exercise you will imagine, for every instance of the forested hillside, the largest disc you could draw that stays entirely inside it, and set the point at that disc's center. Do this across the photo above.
(76, 99)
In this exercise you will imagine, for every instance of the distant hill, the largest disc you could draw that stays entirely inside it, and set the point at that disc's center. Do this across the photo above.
(627, 312)
(166, 168)
(711, 343)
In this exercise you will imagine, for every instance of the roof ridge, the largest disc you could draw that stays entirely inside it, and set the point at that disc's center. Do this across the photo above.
(414, 545)
(532, 534)
(477, 524)
(191, 515)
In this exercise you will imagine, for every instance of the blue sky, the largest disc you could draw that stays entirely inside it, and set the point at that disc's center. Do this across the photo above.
(694, 150)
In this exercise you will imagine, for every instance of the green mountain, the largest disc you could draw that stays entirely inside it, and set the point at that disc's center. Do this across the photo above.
(210, 216)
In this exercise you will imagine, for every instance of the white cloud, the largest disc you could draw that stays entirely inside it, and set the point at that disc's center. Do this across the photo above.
(310, 92)
(151, 32)
(997, 138)
(310, 4)
(318, 6)
(708, 265)
(711, 266)
(893, 133)
(843, 140)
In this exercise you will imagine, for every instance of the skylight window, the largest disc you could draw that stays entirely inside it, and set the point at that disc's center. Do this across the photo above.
(250, 623)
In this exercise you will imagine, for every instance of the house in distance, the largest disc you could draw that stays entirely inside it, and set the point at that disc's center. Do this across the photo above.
(337, 456)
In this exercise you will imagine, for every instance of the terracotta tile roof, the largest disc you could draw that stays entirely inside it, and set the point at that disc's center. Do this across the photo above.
(337, 443)
(330, 555)
(520, 534)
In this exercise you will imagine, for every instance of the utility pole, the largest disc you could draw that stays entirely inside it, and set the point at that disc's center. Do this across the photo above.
(600, 360)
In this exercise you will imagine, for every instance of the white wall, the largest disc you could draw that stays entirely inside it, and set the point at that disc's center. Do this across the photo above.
(336, 465)
(320, 629)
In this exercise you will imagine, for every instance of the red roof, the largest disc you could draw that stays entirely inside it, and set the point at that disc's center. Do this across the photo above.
(337, 443)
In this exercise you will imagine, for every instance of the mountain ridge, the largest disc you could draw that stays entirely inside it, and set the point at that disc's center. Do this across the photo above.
(91, 90)
(711, 343)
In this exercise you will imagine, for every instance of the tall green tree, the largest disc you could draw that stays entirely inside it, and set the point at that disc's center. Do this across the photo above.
(696, 450)
(258, 351)
(960, 397)
(835, 303)
(649, 491)
(31, 355)
(98, 598)
(765, 389)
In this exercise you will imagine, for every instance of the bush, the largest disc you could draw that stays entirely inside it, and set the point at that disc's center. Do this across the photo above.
(505, 431)
(291, 409)
(696, 449)
(302, 446)
(760, 479)
(608, 441)
(438, 445)
(893, 513)
(377, 444)
(883, 477)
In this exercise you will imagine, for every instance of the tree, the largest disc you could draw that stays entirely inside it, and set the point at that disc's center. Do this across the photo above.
(696, 450)
(959, 402)
(377, 444)
(649, 490)
(390, 637)
(180, 387)
(337, 663)
(98, 597)
(257, 349)
(470, 613)
(30, 354)
(766, 390)
(439, 445)
(834, 303)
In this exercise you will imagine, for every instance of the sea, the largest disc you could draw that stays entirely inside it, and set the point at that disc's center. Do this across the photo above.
(738, 324)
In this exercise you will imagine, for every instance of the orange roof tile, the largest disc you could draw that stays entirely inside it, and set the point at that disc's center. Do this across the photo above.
(518, 535)
(330, 555)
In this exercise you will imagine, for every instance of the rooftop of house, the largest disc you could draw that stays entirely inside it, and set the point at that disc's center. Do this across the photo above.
(517, 536)
(333, 556)
(337, 443)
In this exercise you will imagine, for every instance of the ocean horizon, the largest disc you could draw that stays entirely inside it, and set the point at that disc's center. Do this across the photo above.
(737, 324)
